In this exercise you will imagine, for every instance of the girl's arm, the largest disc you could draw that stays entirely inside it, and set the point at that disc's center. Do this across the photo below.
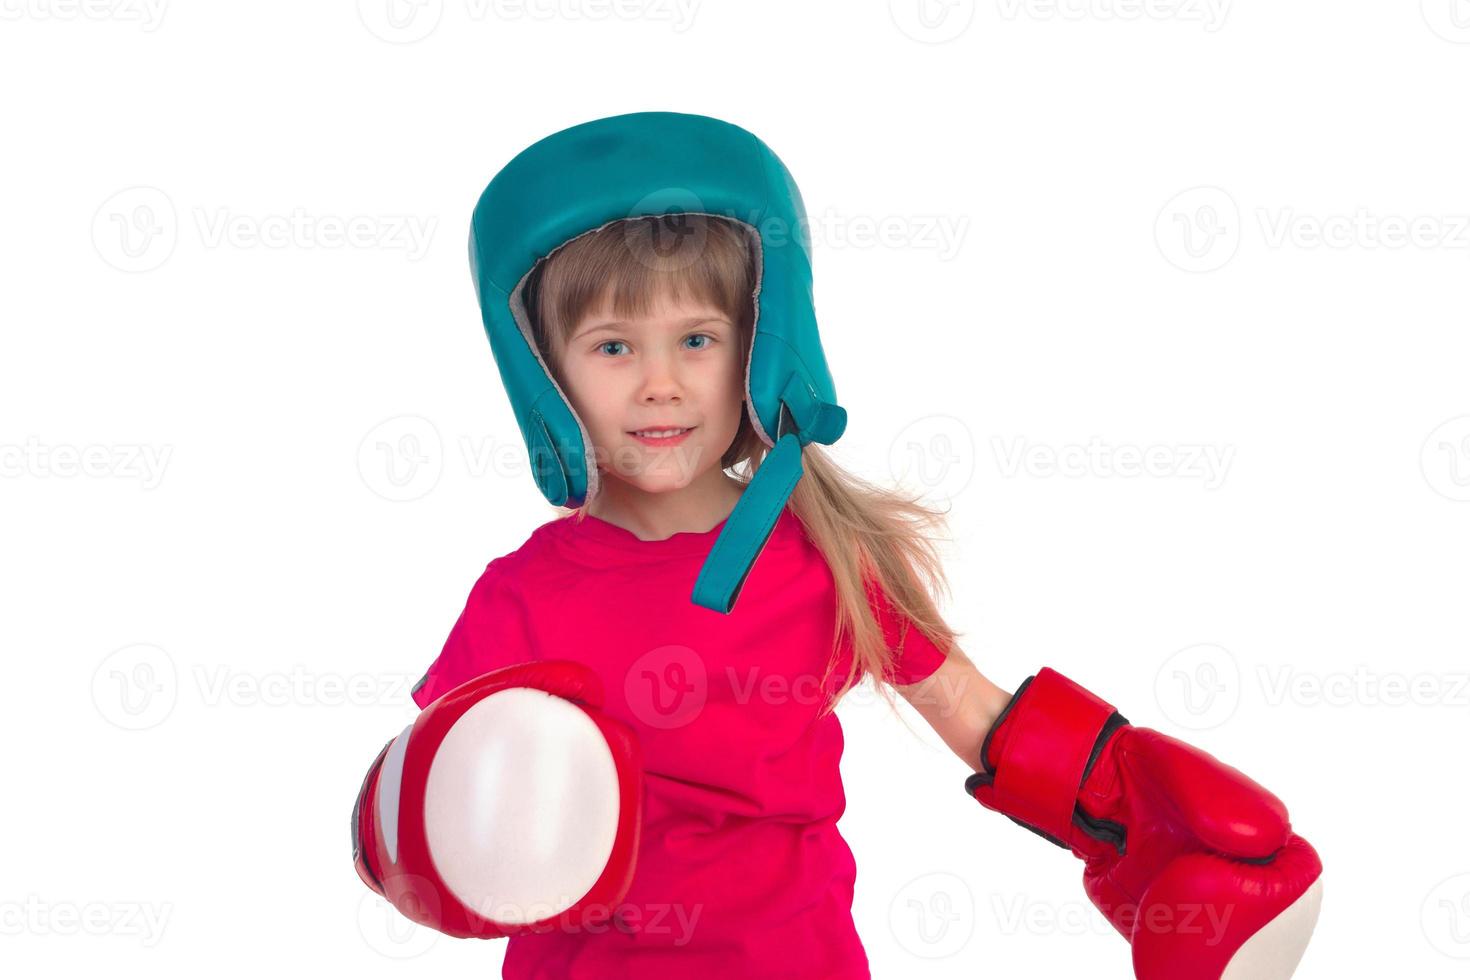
(1167, 831)
(959, 703)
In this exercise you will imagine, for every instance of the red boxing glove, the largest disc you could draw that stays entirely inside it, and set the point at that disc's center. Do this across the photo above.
(511, 804)
(1193, 862)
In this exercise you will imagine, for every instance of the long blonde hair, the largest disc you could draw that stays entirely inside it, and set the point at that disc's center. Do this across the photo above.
(876, 541)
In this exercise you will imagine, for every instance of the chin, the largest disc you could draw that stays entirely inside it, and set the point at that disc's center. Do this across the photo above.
(658, 485)
(669, 470)
(649, 482)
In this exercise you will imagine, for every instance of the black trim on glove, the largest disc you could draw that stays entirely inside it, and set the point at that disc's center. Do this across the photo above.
(1106, 831)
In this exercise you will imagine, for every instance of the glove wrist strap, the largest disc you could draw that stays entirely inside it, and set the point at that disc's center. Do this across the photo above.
(1051, 729)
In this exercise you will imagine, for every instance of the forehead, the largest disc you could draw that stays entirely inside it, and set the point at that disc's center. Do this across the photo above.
(664, 311)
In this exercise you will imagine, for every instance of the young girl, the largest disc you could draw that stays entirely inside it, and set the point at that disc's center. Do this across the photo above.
(742, 871)
(646, 326)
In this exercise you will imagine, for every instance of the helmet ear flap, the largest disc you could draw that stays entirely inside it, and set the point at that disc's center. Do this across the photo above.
(531, 303)
(547, 467)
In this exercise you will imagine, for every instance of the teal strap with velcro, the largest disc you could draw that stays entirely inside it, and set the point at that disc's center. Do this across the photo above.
(749, 526)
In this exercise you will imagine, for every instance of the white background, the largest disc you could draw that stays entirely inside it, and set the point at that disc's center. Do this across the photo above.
(251, 471)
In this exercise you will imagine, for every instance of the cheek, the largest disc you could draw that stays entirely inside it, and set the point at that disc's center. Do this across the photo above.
(736, 383)
(601, 407)
(581, 391)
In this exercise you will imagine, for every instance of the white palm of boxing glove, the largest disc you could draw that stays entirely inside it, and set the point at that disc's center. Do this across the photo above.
(512, 804)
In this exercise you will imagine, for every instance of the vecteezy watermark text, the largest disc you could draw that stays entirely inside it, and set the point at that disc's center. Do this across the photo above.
(125, 461)
(138, 228)
(1206, 463)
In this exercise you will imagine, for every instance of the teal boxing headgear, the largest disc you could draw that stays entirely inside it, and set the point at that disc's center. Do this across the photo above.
(648, 164)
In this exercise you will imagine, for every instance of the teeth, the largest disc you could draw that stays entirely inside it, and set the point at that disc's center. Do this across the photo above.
(659, 433)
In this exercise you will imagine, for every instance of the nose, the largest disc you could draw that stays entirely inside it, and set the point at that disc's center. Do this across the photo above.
(661, 382)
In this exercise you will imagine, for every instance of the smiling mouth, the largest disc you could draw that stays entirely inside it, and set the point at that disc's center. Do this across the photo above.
(662, 437)
(663, 433)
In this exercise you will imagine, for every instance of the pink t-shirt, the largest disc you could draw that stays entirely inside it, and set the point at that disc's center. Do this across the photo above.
(741, 871)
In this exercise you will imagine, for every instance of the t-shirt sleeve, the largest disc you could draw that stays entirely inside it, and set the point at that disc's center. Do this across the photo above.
(919, 657)
(491, 633)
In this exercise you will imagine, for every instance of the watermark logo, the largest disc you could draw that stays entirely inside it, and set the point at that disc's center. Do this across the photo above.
(404, 457)
(671, 241)
(667, 687)
(400, 21)
(136, 687)
(1450, 19)
(1445, 459)
(932, 21)
(401, 458)
(1198, 230)
(136, 229)
(1199, 687)
(219, 684)
(660, 234)
(933, 916)
(1445, 917)
(935, 453)
(390, 932)
(1202, 687)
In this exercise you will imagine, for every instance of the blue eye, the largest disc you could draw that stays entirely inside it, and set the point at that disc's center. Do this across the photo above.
(611, 343)
(705, 336)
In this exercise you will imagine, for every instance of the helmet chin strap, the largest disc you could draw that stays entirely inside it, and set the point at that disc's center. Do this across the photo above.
(755, 515)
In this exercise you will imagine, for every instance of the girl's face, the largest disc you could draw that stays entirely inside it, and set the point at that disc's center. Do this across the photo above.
(680, 367)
